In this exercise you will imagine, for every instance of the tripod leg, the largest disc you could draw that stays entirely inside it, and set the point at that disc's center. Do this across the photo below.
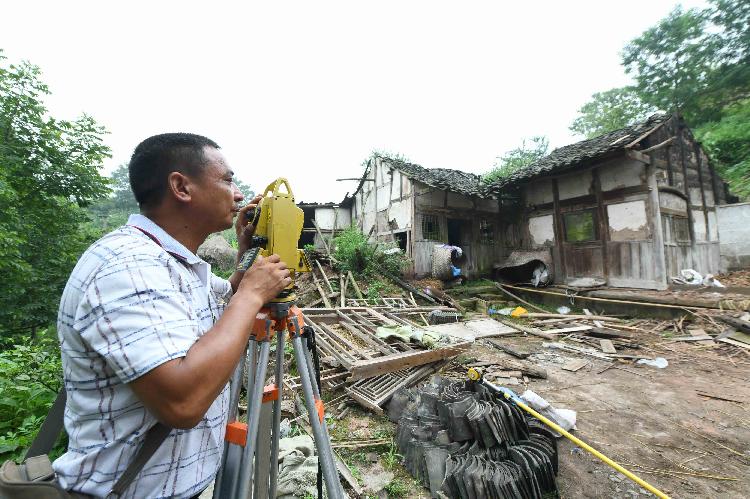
(234, 397)
(254, 402)
(277, 414)
(323, 444)
(238, 454)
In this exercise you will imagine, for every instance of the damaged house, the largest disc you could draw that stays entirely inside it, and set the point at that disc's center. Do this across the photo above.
(630, 208)
(419, 208)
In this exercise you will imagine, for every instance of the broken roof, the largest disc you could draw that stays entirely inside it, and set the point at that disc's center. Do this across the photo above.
(585, 151)
(468, 184)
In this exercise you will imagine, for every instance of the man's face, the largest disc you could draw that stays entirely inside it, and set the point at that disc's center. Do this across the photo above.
(218, 198)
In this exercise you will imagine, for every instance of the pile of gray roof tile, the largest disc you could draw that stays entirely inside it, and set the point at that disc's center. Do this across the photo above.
(460, 440)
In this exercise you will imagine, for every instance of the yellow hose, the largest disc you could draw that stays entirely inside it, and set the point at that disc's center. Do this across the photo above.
(590, 449)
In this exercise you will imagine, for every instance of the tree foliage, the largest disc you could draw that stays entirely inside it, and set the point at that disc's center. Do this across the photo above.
(32, 376)
(728, 142)
(520, 157)
(48, 173)
(696, 62)
(610, 110)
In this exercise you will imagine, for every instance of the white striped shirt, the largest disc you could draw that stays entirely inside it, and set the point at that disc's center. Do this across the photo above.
(137, 298)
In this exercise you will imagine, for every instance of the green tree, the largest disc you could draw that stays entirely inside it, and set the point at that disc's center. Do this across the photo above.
(727, 141)
(48, 173)
(671, 61)
(610, 110)
(518, 158)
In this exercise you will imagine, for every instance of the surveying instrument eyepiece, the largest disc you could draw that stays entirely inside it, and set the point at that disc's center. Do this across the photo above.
(249, 466)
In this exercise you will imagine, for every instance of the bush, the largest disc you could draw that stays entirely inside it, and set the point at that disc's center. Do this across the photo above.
(354, 253)
(32, 376)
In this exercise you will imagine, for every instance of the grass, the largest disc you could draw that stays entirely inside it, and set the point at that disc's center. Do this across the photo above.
(397, 488)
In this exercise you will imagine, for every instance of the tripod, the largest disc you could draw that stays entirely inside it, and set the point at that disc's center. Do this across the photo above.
(249, 467)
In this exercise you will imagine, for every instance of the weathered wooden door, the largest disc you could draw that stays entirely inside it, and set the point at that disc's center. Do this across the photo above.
(581, 246)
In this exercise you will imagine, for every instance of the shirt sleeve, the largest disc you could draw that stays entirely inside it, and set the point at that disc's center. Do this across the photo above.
(137, 315)
(222, 289)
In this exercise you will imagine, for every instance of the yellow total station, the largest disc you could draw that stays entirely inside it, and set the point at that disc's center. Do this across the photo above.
(278, 225)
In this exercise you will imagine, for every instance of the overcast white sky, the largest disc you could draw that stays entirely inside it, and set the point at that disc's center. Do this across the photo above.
(308, 89)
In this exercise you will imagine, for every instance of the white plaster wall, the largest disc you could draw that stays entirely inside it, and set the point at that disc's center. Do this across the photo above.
(628, 221)
(627, 174)
(672, 201)
(539, 192)
(699, 225)
(709, 197)
(734, 235)
(384, 196)
(542, 230)
(456, 200)
(695, 196)
(713, 226)
(396, 185)
(401, 212)
(572, 186)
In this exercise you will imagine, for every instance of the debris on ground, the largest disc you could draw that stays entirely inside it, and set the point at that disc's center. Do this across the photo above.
(666, 394)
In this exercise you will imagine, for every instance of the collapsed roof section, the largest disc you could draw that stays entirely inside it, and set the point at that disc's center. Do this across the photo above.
(447, 179)
(585, 152)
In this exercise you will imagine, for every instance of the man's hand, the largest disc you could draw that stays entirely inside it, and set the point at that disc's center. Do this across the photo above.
(264, 280)
(243, 229)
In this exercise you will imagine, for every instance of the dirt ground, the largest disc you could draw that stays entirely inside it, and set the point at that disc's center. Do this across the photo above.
(652, 421)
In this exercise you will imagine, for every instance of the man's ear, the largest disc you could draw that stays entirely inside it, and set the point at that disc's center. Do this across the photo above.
(180, 186)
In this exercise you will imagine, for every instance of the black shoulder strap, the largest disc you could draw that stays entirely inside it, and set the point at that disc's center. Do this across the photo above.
(154, 438)
(51, 428)
(53, 425)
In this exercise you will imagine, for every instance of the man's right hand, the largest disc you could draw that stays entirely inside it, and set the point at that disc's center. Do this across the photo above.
(264, 280)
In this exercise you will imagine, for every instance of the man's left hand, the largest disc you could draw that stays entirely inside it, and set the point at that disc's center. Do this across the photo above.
(244, 229)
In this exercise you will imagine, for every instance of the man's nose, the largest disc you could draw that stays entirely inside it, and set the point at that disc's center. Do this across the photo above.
(238, 196)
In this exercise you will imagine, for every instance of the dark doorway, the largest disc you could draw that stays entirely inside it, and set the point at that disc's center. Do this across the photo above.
(401, 240)
(306, 238)
(454, 232)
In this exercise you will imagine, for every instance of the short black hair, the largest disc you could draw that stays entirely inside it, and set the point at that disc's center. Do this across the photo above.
(158, 156)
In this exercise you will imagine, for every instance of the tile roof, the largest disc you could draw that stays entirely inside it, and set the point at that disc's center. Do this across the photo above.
(584, 151)
(468, 184)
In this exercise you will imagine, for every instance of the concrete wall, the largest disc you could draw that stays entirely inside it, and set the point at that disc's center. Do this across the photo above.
(734, 235)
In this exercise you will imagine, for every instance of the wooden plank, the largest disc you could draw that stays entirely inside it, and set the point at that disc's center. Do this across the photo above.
(575, 364)
(735, 343)
(607, 346)
(323, 295)
(596, 322)
(390, 363)
(509, 349)
(357, 291)
(323, 273)
(534, 315)
(526, 329)
(574, 329)
(697, 332)
(323, 239)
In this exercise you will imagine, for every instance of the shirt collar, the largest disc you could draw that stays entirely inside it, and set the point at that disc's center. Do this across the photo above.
(169, 243)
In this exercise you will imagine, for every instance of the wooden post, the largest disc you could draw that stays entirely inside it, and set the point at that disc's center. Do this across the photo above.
(354, 284)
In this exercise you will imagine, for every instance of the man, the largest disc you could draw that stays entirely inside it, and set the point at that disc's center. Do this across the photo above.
(149, 334)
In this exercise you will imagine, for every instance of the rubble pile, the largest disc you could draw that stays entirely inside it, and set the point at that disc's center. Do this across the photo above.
(460, 440)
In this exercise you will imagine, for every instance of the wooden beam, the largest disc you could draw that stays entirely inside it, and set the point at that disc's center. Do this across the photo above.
(395, 362)
(658, 146)
(638, 156)
(646, 134)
